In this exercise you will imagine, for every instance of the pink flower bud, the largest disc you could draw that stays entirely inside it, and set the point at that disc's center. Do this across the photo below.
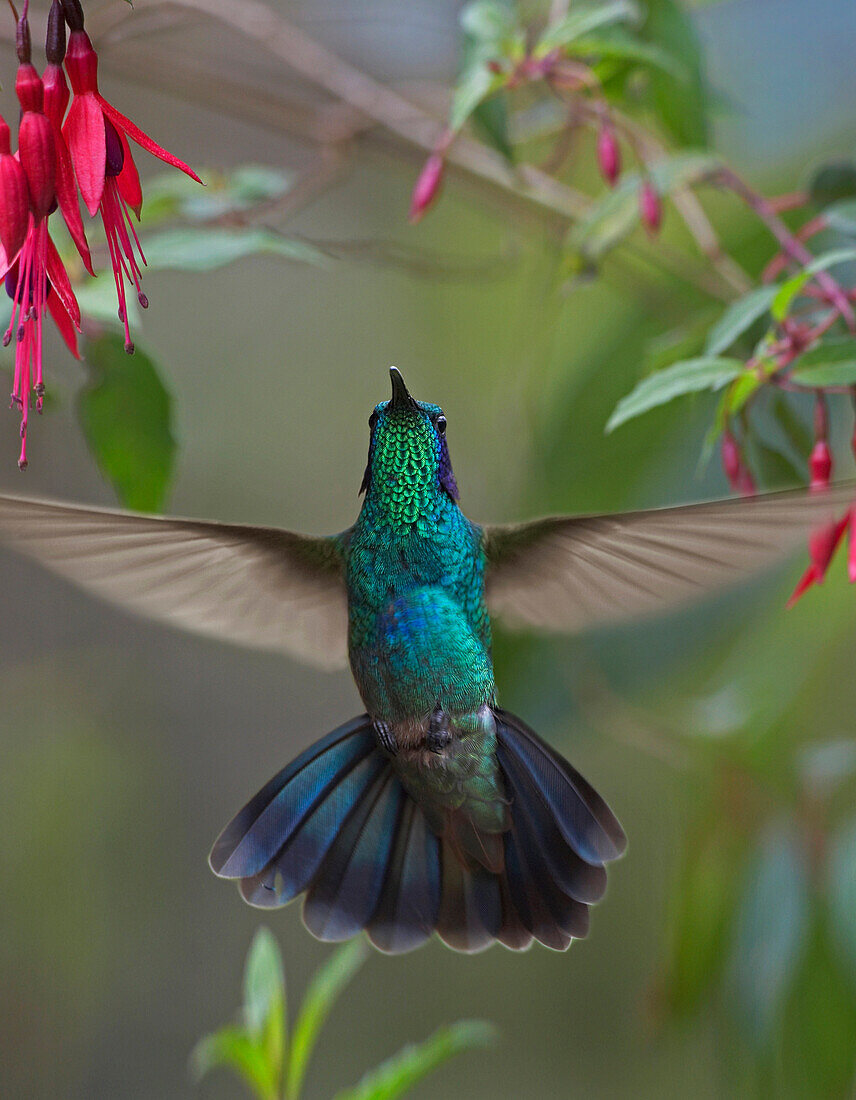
(14, 199)
(608, 155)
(427, 186)
(820, 465)
(38, 159)
(851, 549)
(650, 207)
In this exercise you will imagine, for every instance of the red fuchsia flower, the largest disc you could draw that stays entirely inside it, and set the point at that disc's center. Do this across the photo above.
(608, 154)
(97, 136)
(36, 280)
(14, 200)
(56, 97)
(650, 207)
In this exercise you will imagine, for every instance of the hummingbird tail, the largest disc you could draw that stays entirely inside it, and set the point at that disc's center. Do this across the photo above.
(338, 824)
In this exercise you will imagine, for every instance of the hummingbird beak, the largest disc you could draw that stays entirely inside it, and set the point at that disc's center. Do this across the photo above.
(400, 393)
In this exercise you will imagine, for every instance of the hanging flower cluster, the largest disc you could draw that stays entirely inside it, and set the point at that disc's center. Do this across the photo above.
(59, 154)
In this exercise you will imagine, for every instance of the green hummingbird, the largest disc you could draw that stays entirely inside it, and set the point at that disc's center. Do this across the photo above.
(435, 810)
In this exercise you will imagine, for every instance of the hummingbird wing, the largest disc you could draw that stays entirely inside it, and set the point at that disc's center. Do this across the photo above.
(575, 572)
(257, 586)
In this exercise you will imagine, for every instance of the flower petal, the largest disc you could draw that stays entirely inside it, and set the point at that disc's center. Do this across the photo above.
(14, 205)
(84, 132)
(66, 197)
(61, 284)
(805, 582)
(63, 323)
(128, 180)
(823, 543)
(136, 134)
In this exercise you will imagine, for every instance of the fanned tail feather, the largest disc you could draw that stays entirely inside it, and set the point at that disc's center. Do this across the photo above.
(338, 825)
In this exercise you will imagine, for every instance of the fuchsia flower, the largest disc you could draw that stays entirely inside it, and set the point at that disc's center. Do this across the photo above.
(97, 136)
(14, 200)
(35, 278)
(823, 542)
(56, 97)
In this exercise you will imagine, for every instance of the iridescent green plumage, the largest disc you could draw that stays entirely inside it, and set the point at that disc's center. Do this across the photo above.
(419, 632)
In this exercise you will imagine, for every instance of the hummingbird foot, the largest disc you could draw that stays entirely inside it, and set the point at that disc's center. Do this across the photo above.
(439, 734)
(385, 737)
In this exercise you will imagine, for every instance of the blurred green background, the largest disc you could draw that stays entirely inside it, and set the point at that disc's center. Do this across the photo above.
(720, 962)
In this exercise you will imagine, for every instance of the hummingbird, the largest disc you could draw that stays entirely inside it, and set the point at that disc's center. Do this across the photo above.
(435, 810)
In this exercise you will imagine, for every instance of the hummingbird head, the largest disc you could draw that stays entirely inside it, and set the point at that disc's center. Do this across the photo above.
(408, 452)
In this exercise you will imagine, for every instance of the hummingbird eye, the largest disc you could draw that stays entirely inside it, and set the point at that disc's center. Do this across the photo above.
(440, 423)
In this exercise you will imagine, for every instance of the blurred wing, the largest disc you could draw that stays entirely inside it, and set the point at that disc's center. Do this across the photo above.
(257, 586)
(575, 572)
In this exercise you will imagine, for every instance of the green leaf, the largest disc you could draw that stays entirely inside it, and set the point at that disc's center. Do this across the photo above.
(841, 217)
(683, 169)
(841, 878)
(688, 376)
(833, 363)
(624, 48)
(794, 429)
(584, 19)
(491, 120)
(832, 182)
(233, 1048)
(488, 20)
(174, 195)
(264, 981)
(126, 416)
(198, 249)
(404, 1070)
(738, 317)
(789, 290)
(264, 999)
(771, 929)
(324, 989)
(680, 105)
(475, 85)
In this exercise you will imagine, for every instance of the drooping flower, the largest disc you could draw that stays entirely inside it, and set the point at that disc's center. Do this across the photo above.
(35, 279)
(56, 97)
(14, 199)
(97, 136)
